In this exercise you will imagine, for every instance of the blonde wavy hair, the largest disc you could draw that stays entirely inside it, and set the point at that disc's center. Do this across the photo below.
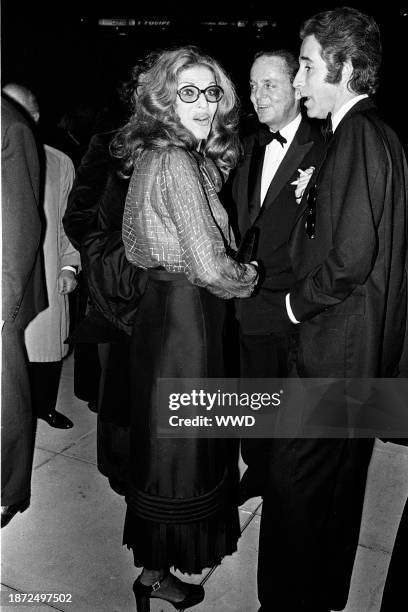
(154, 122)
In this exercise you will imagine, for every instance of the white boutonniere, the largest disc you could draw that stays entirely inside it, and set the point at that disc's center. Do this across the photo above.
(302, 181)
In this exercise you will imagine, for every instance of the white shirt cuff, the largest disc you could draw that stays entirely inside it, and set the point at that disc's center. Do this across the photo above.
(74, 270)
(290, 311)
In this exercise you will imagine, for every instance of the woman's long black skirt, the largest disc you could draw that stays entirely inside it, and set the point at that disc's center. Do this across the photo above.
(180, 508)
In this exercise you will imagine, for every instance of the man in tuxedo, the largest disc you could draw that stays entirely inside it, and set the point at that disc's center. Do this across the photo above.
(284, 148)
(348, 251)
(23, 297)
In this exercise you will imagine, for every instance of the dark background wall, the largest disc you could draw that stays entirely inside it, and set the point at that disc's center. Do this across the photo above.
(65, 57)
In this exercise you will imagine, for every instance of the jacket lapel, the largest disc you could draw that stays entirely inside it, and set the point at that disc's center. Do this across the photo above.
(300, 146)
(254, 180)
(284, 173)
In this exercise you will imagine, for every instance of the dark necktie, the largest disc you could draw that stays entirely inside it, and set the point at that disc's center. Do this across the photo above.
(327, 128)
(265, 136)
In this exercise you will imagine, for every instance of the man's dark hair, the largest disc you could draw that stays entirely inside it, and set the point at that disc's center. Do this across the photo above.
(347, 34)
(290, 59)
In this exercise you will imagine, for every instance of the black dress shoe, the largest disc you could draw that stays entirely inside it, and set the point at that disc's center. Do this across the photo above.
(57, 420)
(7, 512)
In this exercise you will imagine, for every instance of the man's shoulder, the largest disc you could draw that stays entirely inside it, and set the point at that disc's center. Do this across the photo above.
(11, 117)
(248, 139)
(58, 162)
(10, 114)
(369, 114)
(365, 122)
(363, 115)
(56, 154)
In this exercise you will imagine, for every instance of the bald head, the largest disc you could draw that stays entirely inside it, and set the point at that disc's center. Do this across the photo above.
(24, 97)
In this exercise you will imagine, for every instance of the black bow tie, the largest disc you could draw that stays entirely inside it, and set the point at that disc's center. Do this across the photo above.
(327, 128)
(265, 136)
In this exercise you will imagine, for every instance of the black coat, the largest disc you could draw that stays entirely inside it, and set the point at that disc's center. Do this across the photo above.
(351, 296)
(93, 223)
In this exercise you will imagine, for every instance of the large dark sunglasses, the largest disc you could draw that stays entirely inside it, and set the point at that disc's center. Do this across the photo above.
(310, 223)
(191, 93)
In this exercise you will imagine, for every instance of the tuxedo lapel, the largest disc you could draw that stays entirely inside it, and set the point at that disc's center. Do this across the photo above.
(284, 173)
(254, 180)
(300, 146)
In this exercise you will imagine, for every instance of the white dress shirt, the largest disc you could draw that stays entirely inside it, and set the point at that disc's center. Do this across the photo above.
(274, 154)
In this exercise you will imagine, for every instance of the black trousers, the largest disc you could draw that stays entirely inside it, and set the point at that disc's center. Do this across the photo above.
(44, 382)
(17, 423)
(313, 492)
(263, 356)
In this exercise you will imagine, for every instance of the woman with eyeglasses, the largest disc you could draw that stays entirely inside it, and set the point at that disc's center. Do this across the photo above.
(179, 146)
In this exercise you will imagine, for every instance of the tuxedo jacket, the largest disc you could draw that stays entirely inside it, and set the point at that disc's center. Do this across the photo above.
(271, 225)
(351, 292)
(24, 293)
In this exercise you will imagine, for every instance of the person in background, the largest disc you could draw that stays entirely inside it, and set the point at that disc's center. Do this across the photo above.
(46, 333)
(72, 136)
(93, 223)
(74, 131)
(178, 145)
(24, 295)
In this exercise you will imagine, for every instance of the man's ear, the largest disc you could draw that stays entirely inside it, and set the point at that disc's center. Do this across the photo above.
(347, 73)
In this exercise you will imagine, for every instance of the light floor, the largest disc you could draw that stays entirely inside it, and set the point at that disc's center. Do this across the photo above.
(69, 540)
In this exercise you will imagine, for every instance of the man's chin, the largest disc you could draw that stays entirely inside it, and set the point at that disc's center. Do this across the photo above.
(264, 118)
(312, 113)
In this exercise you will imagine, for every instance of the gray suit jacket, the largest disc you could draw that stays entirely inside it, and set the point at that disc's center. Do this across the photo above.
(23, 284)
